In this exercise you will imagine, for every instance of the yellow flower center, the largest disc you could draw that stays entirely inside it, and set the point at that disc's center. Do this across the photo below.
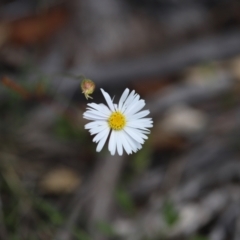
(117, 121)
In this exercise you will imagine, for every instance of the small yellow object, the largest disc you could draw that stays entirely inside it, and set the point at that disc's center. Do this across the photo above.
(88, 87)
(117, 121)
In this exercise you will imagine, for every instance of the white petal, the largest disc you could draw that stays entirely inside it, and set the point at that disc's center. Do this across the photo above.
(90, 116)
(141, 133)
(143, 121)
(129, 99)
(95, 124)
(105, 108)
(134, 100)
(112, 143)
(100, 107)
(134, 134)
(100, 135)
(131, 142)
(98, 113)
(139, 115)
(139, 146)
(119, 143)
(108, 100)
(136, 108)
(103, 140)
(125, 143)
(122, 99)
(140, 125)
(98, 129)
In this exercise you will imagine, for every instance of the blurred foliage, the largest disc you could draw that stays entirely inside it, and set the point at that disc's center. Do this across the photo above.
(49, 211)
(65, 130)
(24, 208)
(11, 110)
(141, 160)
(199, 237)
(228, 101)
(124, 200)
(105, 228)
(170, 214)
(81, 235)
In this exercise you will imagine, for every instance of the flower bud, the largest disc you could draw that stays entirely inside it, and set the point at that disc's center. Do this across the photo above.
(87, 87)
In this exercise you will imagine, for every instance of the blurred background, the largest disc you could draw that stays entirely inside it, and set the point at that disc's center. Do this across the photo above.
(182, 57)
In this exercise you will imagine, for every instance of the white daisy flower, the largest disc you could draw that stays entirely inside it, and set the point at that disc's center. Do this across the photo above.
(124, 121)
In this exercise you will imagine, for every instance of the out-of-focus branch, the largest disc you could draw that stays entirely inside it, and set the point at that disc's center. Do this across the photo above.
(9, 83)
(168, 62)
(104, 182)
(97, 195)
(190, 94)
(80, 199)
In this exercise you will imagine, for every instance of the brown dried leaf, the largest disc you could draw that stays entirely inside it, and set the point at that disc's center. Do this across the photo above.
(37, 28)
(4, 32)
(149, 86)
